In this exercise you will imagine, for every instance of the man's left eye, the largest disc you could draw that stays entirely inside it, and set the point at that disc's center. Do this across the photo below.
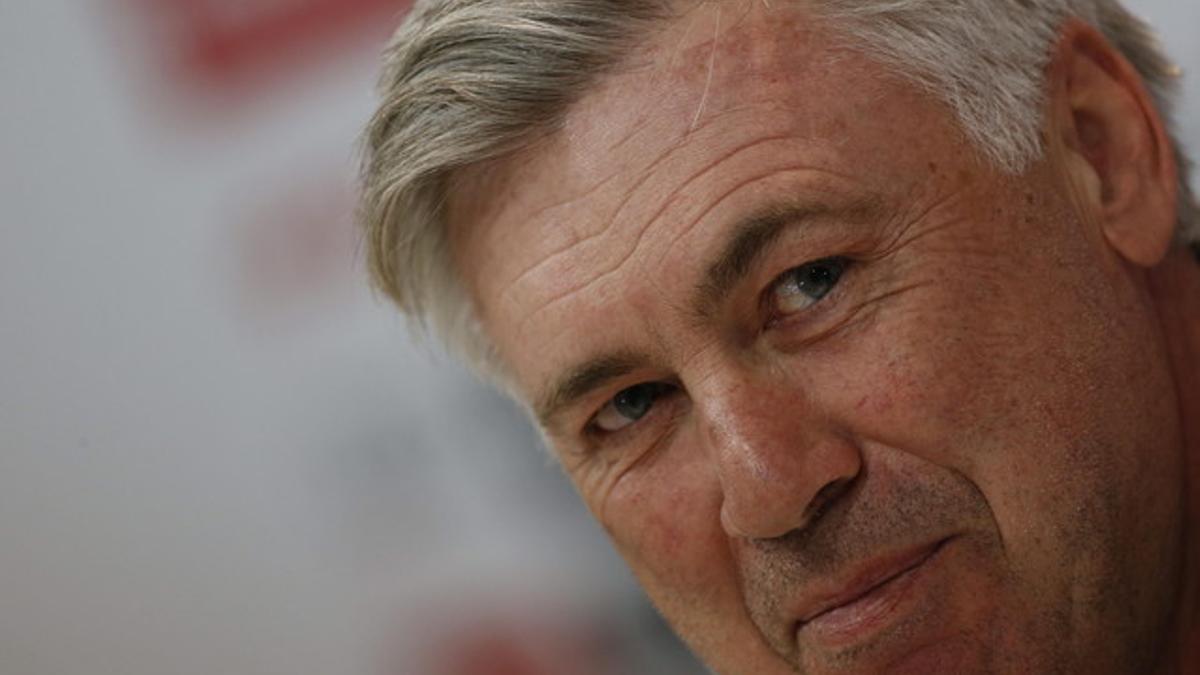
(802, 287)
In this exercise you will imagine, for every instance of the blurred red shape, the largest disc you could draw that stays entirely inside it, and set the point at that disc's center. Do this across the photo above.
(216, 40)
(522, 642)
(492, 653)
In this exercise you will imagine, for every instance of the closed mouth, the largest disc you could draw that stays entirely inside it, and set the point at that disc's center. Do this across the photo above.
(867, 602)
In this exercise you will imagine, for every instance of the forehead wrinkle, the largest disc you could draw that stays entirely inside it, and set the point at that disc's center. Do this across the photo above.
(609, 221)
(555, 299)
(700, 173)
(571, 242)
(753, 178)
(628, 137)
(666, 202)
(755, 107)
(492, 181)
(688, 133)
(632, 133)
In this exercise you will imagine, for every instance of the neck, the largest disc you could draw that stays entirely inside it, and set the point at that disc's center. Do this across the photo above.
(1175, 285)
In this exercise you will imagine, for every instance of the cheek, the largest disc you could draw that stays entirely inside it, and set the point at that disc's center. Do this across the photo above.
(663, 517)
(1033, 376)
(976, 352)
(963, 376)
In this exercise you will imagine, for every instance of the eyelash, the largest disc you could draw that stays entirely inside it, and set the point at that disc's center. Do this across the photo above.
(669, 390)
(773, 318)
(599, 441)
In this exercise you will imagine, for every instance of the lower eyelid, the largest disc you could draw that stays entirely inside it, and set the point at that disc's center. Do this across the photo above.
(604, 411)
(661, 406)
(800, 316)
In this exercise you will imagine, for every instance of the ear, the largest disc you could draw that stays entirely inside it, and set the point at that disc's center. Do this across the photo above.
(1112, 145)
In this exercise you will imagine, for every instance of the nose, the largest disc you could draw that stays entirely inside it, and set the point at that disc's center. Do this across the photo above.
(779, 461)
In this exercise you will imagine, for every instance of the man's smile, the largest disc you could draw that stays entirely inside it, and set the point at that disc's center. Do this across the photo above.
(867, 600)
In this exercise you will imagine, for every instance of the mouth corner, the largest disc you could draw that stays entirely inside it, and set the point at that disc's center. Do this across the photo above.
(867, 597)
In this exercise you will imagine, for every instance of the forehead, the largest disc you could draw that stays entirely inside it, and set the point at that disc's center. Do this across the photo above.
(572, 247)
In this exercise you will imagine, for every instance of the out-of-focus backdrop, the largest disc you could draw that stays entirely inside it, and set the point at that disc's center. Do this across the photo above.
(219, 453)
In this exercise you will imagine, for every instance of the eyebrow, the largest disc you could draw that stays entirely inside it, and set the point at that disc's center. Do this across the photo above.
(582, 380)
(751, 237)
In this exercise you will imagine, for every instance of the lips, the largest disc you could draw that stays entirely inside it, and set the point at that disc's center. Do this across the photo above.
(865, 599)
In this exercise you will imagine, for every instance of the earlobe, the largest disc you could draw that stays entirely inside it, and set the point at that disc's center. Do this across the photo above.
(1112, 145)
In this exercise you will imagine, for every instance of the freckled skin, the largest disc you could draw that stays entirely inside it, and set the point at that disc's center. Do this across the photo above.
(988, 372)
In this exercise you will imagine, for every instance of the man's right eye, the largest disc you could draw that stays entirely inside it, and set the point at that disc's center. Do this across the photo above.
(629, 406)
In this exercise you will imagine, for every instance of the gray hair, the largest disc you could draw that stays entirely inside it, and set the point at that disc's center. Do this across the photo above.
(465, 81)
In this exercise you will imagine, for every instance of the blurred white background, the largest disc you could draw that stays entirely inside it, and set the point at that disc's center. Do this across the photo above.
(219, 453)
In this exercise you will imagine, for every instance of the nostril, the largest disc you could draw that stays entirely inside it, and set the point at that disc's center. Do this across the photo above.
(825, 498)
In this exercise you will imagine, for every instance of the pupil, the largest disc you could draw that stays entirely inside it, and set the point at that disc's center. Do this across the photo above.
(635, 402)
(819, 278)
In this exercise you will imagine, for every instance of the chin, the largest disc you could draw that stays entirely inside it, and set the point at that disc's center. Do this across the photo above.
(951, 656)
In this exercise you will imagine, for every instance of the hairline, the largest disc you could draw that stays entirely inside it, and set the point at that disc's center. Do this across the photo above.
(467, 335)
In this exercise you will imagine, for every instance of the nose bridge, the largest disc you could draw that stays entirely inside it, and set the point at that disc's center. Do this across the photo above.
(778, 461)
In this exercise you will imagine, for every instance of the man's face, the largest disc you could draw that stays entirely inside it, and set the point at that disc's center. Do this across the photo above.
(843, 396)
